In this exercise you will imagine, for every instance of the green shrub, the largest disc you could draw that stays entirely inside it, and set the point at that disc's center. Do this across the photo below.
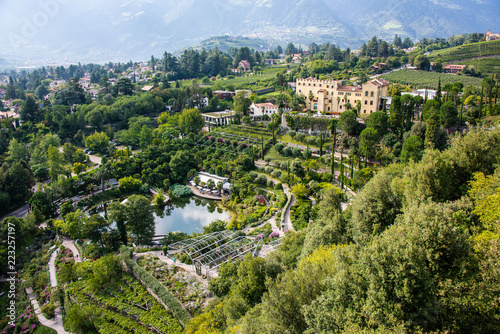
(279, 147)
(261, 179)
(129, 184)
(269, 170)
(44, 330)
(48, 310)
(178, 191)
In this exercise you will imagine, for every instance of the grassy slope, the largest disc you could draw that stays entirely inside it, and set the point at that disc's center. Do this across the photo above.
(469, 55)
(467, 51)
(422, 79)
(247, 80)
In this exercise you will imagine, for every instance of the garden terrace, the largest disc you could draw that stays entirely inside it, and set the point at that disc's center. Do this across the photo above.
(247, 131)
(124, 307)
(227, 142)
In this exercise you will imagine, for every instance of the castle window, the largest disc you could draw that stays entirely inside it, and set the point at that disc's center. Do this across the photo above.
(371, 103)
(366, 93)
(372, 94)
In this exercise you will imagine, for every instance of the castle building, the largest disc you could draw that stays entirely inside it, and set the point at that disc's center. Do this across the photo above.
(329, 96)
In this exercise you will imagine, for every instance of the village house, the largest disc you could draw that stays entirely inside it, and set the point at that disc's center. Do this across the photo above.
(84, 82)
(223, 94)
(93, 93)
(453, 68)
(426, 94)
(245, 65)
(200, 101)
(491, 36)
(330, 96)
(269, 62)
(56, 83)
(134, 76)
(8, 114)
(261, 109)
(248, 92)
(297, 58)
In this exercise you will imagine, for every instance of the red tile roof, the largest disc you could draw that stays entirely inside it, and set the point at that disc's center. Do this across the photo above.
(349, 89)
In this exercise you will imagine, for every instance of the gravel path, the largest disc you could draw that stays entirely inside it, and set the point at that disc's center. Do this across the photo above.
(55, 323)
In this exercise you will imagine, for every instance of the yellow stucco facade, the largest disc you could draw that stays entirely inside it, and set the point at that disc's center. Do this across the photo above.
(329, 96)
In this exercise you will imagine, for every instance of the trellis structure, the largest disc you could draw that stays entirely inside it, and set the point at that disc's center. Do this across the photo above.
(198, 245)
(208, 252)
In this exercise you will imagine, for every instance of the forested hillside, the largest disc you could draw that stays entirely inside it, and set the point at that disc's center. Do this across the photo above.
(416, 251)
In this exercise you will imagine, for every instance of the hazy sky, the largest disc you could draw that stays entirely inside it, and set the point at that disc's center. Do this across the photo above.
(117, 30)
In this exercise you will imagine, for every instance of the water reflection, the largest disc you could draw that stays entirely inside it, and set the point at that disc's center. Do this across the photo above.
(188, 215)
(184, 215)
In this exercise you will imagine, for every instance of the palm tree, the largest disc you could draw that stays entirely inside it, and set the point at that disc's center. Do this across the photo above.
(358, 106)
(310, 97)
(101, 173)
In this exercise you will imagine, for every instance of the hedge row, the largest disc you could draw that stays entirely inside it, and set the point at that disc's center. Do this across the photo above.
(165, 296)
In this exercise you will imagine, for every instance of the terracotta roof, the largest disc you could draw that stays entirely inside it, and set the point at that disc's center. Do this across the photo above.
(265, 105)
(349, 89)
(455, 67)
(380, 82)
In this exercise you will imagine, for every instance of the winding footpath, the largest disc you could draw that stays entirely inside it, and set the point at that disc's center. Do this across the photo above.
(287, 222)
(56, 323)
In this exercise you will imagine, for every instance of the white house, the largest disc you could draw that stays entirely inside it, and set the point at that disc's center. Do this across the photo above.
(84, 82)
(248, 92)
(261, 109)
(200, 101)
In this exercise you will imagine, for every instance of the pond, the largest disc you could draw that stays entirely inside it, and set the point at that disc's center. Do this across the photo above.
(188, 215)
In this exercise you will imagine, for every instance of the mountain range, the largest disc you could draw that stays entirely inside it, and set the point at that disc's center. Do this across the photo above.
(119, 30)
